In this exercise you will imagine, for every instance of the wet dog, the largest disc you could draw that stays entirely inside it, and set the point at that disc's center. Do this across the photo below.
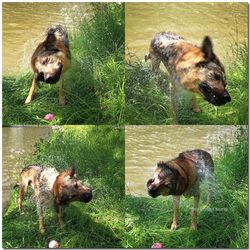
(196, 69)
(50, 60)
(182, 176)
(50, 185)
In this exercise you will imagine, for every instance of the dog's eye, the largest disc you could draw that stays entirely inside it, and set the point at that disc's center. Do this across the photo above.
(217, 77)
(45, 61)
(75, 185)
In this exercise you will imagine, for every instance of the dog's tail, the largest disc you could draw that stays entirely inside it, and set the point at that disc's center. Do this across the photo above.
(147, 57)
(57, 32)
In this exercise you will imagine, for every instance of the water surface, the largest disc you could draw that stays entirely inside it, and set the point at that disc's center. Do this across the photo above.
(225, 23)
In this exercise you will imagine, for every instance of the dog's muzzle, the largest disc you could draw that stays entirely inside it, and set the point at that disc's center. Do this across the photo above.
(152, 189)
(213, 97)
(87, 197)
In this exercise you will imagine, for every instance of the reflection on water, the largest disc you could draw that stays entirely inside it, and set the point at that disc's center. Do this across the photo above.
(18, 144)
(224, 22)
(24, 25)
(147, 145)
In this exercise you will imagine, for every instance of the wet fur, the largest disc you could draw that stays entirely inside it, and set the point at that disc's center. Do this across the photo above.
(51, 186)
(195, 68)
(50, 60)
(182, 176)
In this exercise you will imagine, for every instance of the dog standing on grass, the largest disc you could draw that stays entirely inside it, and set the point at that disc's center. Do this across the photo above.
(182, 176)
(50, 185)
(197, 69)
(50, 60)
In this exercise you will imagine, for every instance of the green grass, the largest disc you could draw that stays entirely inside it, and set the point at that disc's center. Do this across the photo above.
(94, 85)
(98, 154)
(147, 104)
(222, 224)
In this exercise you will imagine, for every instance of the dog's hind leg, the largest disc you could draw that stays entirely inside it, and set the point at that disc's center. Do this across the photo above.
(172, 91)
(32, 90)
(195, 107)
(39, 208)
(22, 191)
(61, 92)
(155, 63)
(176, 201)
(195, 212)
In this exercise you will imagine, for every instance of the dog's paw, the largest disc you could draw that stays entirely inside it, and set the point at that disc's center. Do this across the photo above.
(27, 101)
(194, 226)
(174, 226)
(197, 110)
(42, 230)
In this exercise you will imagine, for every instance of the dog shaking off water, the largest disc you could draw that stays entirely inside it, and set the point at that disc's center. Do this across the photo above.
(182, 176)
(50, 185)
(196, 68)
(50, 60)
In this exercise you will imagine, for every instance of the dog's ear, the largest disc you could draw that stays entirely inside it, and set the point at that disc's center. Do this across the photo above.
(72, 172)
(207, 48)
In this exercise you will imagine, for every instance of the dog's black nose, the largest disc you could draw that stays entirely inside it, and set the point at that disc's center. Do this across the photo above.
(226, 96)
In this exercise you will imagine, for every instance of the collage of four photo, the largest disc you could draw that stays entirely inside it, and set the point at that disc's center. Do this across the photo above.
(125, 125)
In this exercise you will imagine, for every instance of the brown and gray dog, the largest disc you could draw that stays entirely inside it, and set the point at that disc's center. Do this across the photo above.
(50, 60)
(196, 69)
(182, 176)
(50, 185)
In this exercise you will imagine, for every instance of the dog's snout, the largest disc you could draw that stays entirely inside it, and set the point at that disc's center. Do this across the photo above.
(86, 197)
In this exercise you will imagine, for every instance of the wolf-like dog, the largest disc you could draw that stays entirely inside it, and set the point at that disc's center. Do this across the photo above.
(182, 176)
(195, 68)
(50, 185)
(50, 60)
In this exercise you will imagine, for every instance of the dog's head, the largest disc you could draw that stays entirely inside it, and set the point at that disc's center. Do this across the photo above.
(49, 67)
(68, 188)
(212, 78)
(204, 73)
(163, 182)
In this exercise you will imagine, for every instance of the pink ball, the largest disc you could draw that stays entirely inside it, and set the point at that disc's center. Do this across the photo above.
(157, 245)
(54, 244)
(49, 117)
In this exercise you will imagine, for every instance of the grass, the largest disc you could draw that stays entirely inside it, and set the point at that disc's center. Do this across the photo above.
(94, 85)
(98, 154)
(222, 224)
(147, 104)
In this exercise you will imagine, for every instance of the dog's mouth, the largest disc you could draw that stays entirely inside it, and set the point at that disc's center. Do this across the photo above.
(49, 78)
(152, 189)
(213, 97)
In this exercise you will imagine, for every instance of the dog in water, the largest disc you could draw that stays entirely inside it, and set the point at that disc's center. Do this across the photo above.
(196, 69)
(182, 176)
(50, 60)
(50, 185)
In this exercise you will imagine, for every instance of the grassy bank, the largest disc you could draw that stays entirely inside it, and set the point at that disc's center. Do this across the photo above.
(94, 85)
(98, 154)
(147, 104)
(222, 224)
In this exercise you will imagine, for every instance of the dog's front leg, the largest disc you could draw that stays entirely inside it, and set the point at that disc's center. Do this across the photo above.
(176, 201)
(32, 90)
(61, 92)
(195, 212)
(58, 210)
(195, 107)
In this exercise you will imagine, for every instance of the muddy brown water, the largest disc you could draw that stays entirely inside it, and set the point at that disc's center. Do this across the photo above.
(147, 145)
(18, 144)
(225, 23)
(24, 25)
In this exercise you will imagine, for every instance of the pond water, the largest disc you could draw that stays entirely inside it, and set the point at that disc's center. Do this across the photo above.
(18, 144)
(225, 23)
(24, 25)
(147, 145)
